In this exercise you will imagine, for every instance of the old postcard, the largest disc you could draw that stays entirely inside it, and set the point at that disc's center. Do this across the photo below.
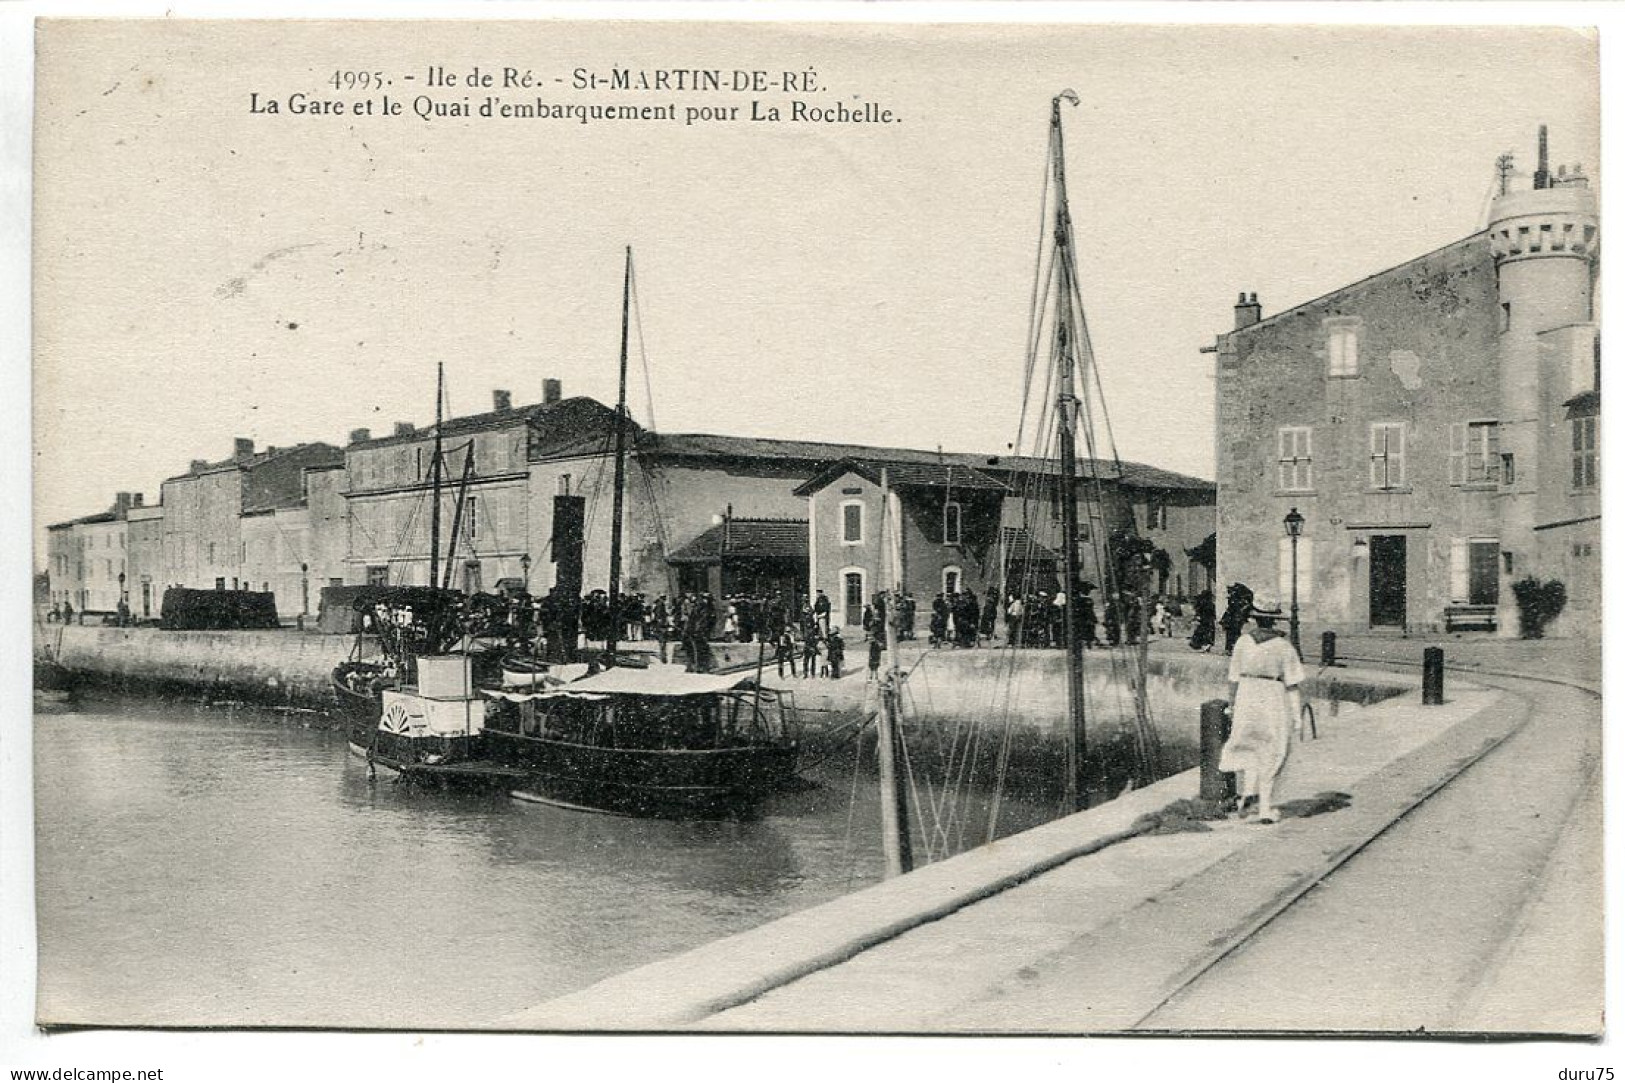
(824, 528)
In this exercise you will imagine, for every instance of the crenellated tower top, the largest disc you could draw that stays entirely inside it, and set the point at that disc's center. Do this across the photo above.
(1555, 216)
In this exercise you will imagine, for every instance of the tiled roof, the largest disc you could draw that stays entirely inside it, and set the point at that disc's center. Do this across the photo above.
(538, 415)
(276, 479)
(819, 454)
(323, 455)
(85, 520)
(785, 538)
(905, 475)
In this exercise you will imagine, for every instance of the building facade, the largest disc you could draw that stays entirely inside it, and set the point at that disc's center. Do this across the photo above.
(242, 524)
(145, 559)
(701, 512)
(934, 528)
(1434, 424)
(995, 527)
(485, 531)
(89, 559)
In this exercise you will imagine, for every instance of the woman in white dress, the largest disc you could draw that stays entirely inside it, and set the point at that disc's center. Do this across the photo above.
(1265, 672)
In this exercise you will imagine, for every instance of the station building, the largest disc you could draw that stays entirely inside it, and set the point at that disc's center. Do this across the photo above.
(993, 524)
(1435, 424)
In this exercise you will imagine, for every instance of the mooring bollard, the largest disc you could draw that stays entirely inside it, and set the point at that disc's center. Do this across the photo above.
(1217, 785)
(1433, 676)
(1328, 649)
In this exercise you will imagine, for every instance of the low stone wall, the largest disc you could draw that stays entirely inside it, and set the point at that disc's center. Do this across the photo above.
(270, 666)
(1030, 685)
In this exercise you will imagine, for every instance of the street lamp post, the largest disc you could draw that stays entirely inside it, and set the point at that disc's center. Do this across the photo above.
(1294, 530)
(123, 606)
(524, 569)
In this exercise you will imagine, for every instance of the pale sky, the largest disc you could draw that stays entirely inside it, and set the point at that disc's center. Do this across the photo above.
(203, 273)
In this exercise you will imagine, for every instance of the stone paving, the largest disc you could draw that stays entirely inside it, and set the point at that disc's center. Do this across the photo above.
(970, 944)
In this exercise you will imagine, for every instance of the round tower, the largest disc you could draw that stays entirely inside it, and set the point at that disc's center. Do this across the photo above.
(1544, 241)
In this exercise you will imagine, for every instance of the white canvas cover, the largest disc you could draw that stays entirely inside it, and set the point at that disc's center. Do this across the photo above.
(665, 681)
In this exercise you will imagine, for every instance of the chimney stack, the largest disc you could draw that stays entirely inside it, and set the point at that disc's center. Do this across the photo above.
(501, 401)
(403, 428)
(121, 504)
(552, 391)
(138, 500)
(1247, 310)
(198, 466)
(1543, 177)
(360, 436)
(242, 448)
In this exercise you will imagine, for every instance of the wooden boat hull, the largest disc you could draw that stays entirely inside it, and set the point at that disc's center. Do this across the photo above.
(361, 714)
(664, 783)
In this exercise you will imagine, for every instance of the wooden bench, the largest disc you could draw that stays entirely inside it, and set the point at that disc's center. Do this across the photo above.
(1469, 618)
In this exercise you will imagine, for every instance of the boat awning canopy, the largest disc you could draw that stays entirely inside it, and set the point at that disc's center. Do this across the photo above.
(657, 681)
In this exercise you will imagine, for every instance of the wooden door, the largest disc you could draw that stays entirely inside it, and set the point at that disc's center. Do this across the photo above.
(1483, 575)
(1388, 581)
(852, 596)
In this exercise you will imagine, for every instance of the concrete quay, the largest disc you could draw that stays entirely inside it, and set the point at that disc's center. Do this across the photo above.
(1086, 925)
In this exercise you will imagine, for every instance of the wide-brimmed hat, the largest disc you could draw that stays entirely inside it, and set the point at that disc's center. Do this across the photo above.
(1266, 608)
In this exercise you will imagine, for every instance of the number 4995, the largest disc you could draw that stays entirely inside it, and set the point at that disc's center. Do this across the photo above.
(357, 80)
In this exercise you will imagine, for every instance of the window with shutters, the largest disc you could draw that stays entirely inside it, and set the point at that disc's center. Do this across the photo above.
(951, 520)
(1306, 565)
(852, 522)
(1295, 468)
(1342, 347)
(1584, 439)
(1475, 453)
(1388, 455)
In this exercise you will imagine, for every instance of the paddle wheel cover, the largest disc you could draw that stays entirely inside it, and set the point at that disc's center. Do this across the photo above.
(396, 719)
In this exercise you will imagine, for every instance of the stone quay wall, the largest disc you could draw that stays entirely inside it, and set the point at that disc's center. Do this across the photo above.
(282, 667)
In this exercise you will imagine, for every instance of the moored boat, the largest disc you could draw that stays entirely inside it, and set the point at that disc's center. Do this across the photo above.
(640, 738)
(657, 742)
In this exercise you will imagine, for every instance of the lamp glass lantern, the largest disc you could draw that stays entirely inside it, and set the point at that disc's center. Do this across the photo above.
(1294, 530)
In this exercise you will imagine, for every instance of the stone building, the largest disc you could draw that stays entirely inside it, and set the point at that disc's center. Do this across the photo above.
(145, 559)
(678, 487)
(684, 486)
(941, 526)
(990, 523)
(88, 559)
(214, 511)
(702, 511)
(389, 512)
(1435, 424)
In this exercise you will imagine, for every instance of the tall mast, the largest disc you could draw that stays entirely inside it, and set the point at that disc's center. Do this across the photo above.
(434, 473)
(894, 837)
(1066, 419)
(620, 471)
(457, 513)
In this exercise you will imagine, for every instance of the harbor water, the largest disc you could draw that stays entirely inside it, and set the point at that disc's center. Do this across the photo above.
(234, 865)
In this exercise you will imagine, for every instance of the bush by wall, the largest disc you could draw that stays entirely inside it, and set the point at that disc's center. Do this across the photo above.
(1538, 604)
